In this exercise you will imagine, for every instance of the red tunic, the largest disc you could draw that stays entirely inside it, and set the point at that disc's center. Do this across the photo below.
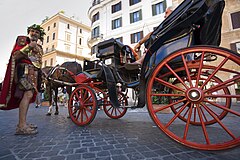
(7, 99)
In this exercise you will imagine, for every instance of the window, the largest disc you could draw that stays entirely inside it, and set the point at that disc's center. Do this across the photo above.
(80, 30)
(68, 37)
(68, 26)
(53, 47)
(79, 51)
(235, 47)
(51, 62)
(95, 32)
(116, 23)
(116, 7)
(80, 41)
(53, 36)
(45, 63)
(47, 39)
(54, 25)
(48, 28)
(158, 8)
(67, 48)
(132, 2)
(135, 37)
(47, 50)
(94, 49)
(120, 39)
(235, 17)
(95, 17)
(136, 16)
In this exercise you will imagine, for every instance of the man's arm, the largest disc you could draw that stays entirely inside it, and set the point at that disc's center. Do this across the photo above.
(144, 39)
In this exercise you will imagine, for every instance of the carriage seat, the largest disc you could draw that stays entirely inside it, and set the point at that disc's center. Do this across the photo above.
(87, 76)
(132, 66)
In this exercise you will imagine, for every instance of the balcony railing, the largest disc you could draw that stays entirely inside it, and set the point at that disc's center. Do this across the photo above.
(95, 2)
(49, 50)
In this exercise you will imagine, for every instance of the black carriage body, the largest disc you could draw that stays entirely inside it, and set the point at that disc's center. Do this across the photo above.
(193, 22)
(109, 52)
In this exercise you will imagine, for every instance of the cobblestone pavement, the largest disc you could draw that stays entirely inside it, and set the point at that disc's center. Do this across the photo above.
(135, 136)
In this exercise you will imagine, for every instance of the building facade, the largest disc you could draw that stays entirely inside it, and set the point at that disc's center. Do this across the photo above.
(65, 40)
(128, 21)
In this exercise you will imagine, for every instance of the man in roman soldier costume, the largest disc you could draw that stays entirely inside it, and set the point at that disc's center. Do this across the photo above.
(23, 77)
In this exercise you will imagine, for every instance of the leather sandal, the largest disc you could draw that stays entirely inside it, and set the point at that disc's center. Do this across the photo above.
(34, 126)
(30, 125)
(25, 131)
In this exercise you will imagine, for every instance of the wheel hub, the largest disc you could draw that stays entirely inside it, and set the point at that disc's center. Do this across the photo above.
(194, 94)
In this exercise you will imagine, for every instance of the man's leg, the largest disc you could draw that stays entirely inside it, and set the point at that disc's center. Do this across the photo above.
(23, 108)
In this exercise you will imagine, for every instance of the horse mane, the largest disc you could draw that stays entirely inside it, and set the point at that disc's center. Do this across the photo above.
(73, 66)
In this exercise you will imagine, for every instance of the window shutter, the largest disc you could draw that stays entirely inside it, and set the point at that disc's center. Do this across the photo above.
(141, 34)
(112, 24)
(164, 5)
(132, 38)
(233, 47)
(131, 17)
(153, 10)
(235, 20)
(140, 14)
(130, 2)
(121, 22)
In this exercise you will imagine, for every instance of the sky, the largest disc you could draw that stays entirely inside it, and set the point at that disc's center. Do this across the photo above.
(16, 16)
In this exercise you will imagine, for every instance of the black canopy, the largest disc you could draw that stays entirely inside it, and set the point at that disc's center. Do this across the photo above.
(205, 13)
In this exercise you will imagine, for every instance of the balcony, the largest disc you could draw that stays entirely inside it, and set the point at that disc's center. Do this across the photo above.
(95, 2)
(49, 50)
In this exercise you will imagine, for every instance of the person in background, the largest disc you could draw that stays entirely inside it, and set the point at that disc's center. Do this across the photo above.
(23, 77)
(39, 96)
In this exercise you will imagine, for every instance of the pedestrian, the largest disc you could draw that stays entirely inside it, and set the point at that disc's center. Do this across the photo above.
(23, 77)
(39, 97)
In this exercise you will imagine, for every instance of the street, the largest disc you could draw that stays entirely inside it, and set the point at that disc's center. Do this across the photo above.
(134, 136)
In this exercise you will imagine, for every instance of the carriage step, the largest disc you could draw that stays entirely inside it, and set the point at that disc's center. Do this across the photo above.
(132, 107)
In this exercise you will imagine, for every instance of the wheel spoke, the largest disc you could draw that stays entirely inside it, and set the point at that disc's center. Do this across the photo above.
(186, 113)
(88, 109)
(88, 104)
(86, 99)
(85, 113)
(176, 115)
(204, 116)
(169, 105)
(175, 74)
(167, 84)
(79, 111)
(187, 71)
(200, 69)
(167, 95)
(219, 121)
(214, 72)
(203, 125)
(81, 116)
(224, 108)
(195, 114)
(188, 122)
(220, 86)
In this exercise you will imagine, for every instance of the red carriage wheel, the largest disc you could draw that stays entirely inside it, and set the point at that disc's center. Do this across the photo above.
(205, 111)
(116, 113)
(82, 105)
(214, 81)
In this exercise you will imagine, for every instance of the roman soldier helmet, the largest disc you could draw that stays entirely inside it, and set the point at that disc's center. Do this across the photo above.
(39, 28)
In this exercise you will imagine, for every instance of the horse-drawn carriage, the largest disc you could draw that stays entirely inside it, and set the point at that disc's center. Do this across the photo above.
(183, 71)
